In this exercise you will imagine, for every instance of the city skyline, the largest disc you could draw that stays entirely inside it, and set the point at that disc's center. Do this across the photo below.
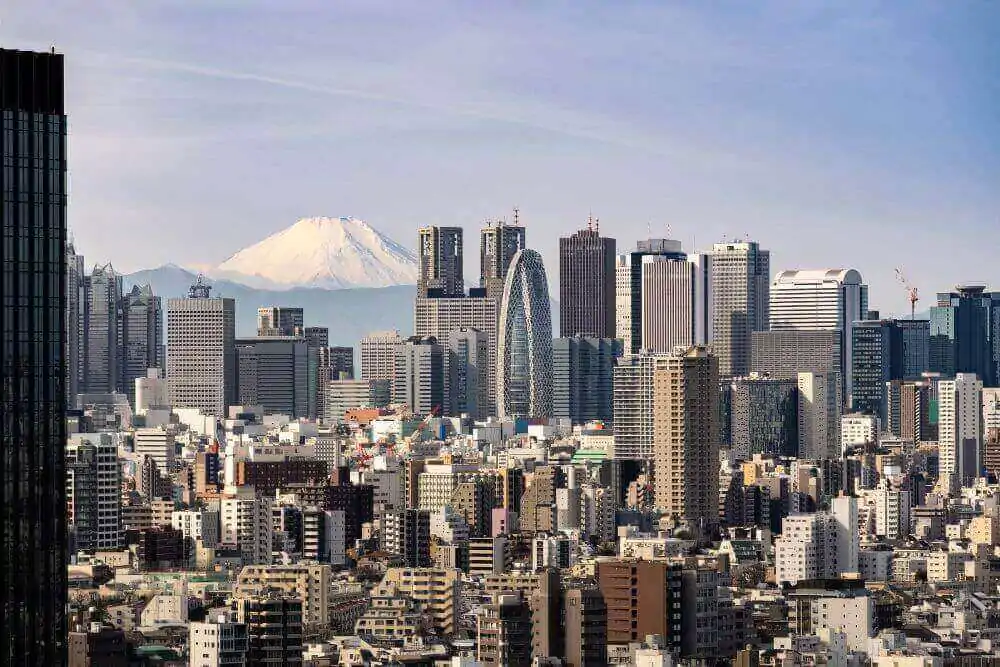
(810, 158)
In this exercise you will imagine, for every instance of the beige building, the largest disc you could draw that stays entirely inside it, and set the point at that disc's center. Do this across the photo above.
(435, 590)
(686, 436)
(390, 617)
(309, 583)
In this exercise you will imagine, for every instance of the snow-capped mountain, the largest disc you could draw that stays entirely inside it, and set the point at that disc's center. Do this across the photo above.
(328, 253)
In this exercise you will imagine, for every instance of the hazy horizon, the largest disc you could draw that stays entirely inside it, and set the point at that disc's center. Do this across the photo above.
(828, 134)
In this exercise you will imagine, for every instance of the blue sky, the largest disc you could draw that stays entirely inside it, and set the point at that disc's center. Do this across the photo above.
(836, 134)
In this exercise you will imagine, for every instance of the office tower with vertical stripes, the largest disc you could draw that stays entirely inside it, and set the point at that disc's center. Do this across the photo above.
(33, 550)
(201, 350)
(740, 288)
(587, 284)
(440, 262)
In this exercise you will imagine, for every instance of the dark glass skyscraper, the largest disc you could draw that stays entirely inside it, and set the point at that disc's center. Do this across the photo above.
(587, 284)
(583, 371)
(965, 334)
(32, 358)
(883, 351)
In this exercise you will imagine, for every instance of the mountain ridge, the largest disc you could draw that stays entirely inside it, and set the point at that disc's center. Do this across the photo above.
(323, 252)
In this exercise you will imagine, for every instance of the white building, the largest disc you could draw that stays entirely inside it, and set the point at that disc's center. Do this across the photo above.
(676, 301)
(960, 415)
(823, 545)
(819, 416)
(344, 395)
(245, 523)
(820, 299)
(93, 491)
(218, 642)
(437, 483)
(158, 444)
(857, 430)
(201, 351)
(558, 551)
(854, 616)
(197, 525)
(892, 510)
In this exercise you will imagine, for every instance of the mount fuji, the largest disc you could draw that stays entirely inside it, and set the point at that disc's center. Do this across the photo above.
(345, 274)
(325, 253)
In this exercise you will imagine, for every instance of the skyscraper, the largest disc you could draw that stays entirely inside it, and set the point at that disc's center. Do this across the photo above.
(740, 288)
(628, 289)
(440, 262)
(76, 274)
(469, 373)
(587, 284)
(280, 321)
(686, 437)
(583, 378)
(764, 416)
(498, 243)
(201, 351)
(273, 372)
(633, 407)
(819, 413)
(378, 355)
(960, 430)
(32, 362)
(820, 300)
(524, 347)
(101, 322)
(141, 336)
(676, 302)
(883, 351)
(439, 317)
(419, 380)
(965, 333)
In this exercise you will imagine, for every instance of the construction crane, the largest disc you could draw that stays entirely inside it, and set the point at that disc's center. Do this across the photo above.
(911, 292)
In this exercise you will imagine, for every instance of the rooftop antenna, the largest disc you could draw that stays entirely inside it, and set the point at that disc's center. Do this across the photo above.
(649, 229)
(517, 212)
(590, 221)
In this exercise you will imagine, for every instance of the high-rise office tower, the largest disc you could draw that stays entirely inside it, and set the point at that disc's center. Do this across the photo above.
(785, 354)
(439, 317)
(378, 355)
(524, 345)
(419, 380)
(332, 363)
(960, 432)
(628, 288)
(819, 413)
(280, 321)
(823, 299)
(469, 371)
(676, 301)
(101, 322)
(76, 275)
(317, 336)
(764, 416)
(273, 372)
(965, 333)
(498, 243)
(740, 288)
(201, 350)
(440, 262)
(633, 407)
(587, 284)
(32, 362)
(883, 351)
(686, 437)
(141, 336)
(583, 378)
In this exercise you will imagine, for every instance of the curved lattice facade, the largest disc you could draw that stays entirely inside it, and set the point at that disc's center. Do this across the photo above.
(524, 355)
